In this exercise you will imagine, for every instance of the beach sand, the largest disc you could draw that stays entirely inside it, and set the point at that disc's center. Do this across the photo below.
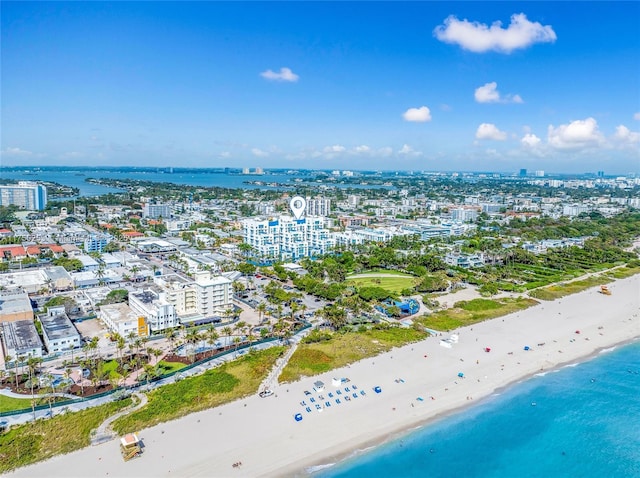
(261, 433)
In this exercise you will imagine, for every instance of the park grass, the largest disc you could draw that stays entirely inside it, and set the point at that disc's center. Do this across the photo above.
(470, 312)
(393, 284)
(389, 272)
(343, 349)
(8, 404)
(567, 288)
(40, 440)
(168, 367)
(215, 387)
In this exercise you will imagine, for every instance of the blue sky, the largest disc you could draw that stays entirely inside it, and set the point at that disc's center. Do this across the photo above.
(419, 85)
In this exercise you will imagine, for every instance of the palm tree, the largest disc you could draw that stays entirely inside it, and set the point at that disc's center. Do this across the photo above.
(120, 345)
(33, 363)
(21, 362)
(236, 342)
(191, 339)
(8, 359)
(227, 331)
(171, 336)
(261, 308)
(212, 335)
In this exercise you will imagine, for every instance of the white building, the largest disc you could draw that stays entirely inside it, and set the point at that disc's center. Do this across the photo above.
(122, 319)
(288, 238)
(58, 331)
(154, 211)
(209, 295)
(26, 195)
(154, 307)
(318, 207)
(20, 339)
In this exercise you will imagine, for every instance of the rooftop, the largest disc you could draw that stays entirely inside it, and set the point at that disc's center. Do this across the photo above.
(57, 326)
(21, 335)
(14, 301)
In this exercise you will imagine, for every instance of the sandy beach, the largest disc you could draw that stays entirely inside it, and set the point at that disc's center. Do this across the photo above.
(262, 435)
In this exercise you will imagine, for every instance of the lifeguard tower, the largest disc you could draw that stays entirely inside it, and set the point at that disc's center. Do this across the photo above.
(130, 446)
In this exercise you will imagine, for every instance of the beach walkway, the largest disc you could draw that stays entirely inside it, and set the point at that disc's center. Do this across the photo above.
(104, 432)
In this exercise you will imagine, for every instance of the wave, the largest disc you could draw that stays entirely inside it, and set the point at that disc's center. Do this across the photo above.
(607, 350)
(571, 365)
(316, 468)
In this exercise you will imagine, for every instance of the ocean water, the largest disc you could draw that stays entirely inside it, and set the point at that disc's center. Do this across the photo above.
(578, 421)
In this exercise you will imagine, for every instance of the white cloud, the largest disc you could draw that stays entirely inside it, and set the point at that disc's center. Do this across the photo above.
(625, 135)
(407, 150)
(225, 154)
(637, 116)
(336, 148)
(490, 131)
(578, 134)
(418, 115)
(488, 93)
(363, 148)
(259, 153)
(479, 37)
(530, 140)
(285, 74)
(16, 152)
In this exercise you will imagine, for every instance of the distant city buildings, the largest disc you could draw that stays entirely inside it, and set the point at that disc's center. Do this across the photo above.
(26, 195)
(257, 170)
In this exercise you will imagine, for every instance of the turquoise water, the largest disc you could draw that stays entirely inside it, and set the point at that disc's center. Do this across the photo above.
(585, 423)
(70, 177)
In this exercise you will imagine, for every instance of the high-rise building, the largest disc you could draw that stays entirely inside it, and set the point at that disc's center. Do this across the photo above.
(288, 238)
(318, 207)
(540, 173)
(26, 195)
(523, 173)
(154, 211)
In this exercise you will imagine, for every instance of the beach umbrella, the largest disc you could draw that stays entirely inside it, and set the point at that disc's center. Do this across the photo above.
(460, 374)
(526, 347)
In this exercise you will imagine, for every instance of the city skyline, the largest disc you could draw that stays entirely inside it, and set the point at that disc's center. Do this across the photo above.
(358, 86)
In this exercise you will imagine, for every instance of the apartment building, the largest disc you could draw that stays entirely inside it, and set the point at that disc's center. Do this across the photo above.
(58, 331)
(151, 303)
(26, 195)
(288, 238)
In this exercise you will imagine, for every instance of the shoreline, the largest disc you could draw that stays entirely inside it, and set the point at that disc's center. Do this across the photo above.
(263, 435)
(307, 468)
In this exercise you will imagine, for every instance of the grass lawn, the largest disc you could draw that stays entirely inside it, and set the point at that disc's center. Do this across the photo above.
(43, 439)
(394, 284)
(386, 272)
(560, 290)
(223, 384)
(473, 311)
(8, 404)
(343, 349)
(168, 367)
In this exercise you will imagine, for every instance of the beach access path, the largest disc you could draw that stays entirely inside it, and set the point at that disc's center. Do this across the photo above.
(262, 434)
